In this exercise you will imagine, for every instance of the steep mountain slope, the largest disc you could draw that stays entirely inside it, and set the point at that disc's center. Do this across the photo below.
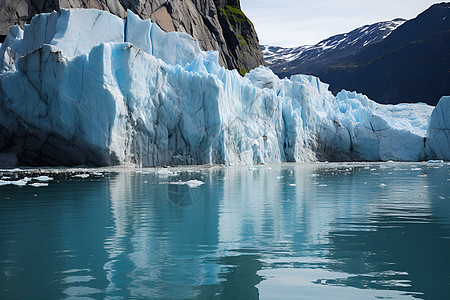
(217, 24)
(410, 65)
(289, 61)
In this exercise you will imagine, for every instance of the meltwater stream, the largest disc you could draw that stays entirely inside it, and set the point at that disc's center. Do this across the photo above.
(291, 231)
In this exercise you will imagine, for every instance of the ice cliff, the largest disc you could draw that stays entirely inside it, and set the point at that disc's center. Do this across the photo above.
(86, 87)
(218, 25)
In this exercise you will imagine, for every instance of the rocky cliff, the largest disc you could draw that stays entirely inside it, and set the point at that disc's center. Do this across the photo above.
(216, 24)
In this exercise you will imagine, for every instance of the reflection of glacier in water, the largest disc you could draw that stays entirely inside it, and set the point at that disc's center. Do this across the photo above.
(184, 189)
(350, 231)
(165, 255)
(183, 195)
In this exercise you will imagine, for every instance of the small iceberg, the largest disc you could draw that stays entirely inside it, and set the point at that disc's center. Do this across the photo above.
(191, 183)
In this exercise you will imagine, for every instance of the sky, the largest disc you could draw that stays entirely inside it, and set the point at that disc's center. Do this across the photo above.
(291, 23)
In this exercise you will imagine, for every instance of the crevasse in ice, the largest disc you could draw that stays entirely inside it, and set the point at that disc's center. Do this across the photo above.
(86, 87)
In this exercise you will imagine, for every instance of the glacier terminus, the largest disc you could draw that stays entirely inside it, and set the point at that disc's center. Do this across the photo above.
(84, 87)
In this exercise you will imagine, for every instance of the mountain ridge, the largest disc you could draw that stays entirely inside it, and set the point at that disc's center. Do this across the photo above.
(410, 64)
(371, 34)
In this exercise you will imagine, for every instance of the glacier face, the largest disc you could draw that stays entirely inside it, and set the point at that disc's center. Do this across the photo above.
(86, 87)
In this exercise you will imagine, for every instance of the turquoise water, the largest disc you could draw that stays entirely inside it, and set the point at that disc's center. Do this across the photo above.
(300, 231)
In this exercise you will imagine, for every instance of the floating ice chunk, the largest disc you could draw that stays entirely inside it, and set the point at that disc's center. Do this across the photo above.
(39, 184)
(165, 172)
(19, 182)
(43, 178)
(85, 175)
(438, 161)
(191, 183)
(194, 183)
(12, 170)
(4, 182)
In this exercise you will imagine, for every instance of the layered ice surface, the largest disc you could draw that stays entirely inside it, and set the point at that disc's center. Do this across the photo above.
(86, 87)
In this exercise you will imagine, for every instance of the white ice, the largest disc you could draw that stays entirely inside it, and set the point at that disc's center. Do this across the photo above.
(43, 178)
(92, 88)
(84, 175)
(190, 183)
(38, 184)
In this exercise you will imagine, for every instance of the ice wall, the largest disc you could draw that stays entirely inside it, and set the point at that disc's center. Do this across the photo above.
(438, 135)
(86, 87)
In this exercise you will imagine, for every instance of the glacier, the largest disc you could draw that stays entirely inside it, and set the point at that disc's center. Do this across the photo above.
(84, 87)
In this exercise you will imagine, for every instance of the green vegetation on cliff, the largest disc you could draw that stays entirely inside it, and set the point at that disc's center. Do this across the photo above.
(234, 13)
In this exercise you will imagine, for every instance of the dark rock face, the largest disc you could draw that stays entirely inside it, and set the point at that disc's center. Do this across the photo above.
(217, 24)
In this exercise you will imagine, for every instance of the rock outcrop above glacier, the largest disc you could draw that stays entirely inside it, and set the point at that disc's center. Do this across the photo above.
(86, 87)
(216, 24)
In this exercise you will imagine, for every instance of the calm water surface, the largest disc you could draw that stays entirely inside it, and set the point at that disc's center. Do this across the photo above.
(300, 231)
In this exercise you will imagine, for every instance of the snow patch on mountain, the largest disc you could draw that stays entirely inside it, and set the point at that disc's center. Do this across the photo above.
(358, 38)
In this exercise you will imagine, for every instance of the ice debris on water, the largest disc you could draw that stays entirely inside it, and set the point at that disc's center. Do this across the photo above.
(191, 183)
(84, 175)
(438, 161)
(3, 182)
(39, 184)
(43, 178)
(165, 172)
(19, 182)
